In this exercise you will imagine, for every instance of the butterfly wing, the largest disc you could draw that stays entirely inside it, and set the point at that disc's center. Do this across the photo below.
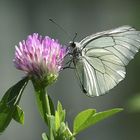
(104, 57)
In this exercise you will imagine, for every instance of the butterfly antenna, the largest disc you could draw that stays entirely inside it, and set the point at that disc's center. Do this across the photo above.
(74, 37)
(60, 27)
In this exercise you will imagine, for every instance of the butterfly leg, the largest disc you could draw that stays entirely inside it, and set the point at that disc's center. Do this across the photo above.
(68, 67)
(69, 63)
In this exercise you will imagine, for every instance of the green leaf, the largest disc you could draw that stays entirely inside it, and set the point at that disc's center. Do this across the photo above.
(65, 131)
(81, 121)
(18, 115)
(59, 116)
(57, 121)
(5, 117)
(61, 112)
(89, 117)
(9, 102)
(13, 94)
(44, 136)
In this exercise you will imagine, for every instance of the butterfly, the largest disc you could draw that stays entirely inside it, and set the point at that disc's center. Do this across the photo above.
(99, 59)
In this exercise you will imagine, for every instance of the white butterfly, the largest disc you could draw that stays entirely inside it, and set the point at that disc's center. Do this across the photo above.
(100, 59)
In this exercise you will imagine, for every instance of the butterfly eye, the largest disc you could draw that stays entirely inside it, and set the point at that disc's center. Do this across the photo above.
(72, 44)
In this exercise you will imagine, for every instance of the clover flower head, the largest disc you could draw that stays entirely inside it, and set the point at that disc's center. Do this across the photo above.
(39, 56)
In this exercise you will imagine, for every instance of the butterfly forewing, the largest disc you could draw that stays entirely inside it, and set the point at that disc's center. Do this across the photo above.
(104, 57)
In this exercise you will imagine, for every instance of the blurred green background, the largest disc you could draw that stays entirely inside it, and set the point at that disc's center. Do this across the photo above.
(19, 18)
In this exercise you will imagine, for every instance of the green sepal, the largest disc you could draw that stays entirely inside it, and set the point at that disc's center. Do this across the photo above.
(9, 102)
(89, 117)
(18, 115)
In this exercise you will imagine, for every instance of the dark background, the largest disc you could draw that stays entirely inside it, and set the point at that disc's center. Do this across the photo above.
(19, 18)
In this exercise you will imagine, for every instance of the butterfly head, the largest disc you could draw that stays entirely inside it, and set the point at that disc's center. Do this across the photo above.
(72, 44)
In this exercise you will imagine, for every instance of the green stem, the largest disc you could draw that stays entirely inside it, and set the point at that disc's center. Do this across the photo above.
(43, 104)
(47, 111)
(46, 103)
(44, 107)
